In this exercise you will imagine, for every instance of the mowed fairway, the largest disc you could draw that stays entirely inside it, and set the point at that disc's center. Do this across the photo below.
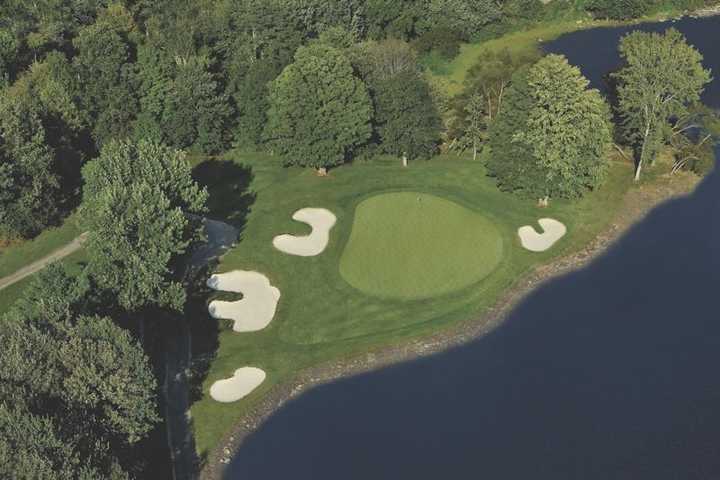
(413, 245)
(465, 233)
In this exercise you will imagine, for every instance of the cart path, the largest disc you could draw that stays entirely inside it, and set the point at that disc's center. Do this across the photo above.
(38, 265)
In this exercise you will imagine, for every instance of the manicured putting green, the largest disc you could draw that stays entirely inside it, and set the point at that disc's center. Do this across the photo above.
(412, 245)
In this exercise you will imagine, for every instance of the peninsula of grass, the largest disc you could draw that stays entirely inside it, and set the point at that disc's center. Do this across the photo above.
(413, 245)
(321, 317)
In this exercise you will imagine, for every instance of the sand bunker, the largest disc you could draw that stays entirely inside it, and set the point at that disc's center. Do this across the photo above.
(244, 381)
(539, 242)
(256, 309)
(321, 221)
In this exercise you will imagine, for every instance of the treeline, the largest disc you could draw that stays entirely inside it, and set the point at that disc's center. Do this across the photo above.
(202, 76)
(628, 9)
(82, 349)
(194, 75)
(546, 134)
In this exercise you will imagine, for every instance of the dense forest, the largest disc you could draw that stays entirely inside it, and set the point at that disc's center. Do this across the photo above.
(100, 102)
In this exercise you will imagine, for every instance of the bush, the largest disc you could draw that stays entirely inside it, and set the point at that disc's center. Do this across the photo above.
(442, 40)
(619, 9)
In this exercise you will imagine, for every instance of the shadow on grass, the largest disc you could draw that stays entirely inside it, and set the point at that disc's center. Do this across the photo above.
(228, 185)
(609, 372)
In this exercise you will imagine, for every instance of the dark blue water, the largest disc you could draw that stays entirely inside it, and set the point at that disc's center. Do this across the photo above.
(611, 372)
(595, 51)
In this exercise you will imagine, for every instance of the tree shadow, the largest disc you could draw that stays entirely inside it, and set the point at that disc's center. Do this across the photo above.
(609, 372)
(228, 184)
(204, 331)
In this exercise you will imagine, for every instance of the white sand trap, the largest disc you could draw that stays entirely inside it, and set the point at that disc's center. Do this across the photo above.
(244, 381)
(539, 242)
(321, 221)
(255, 310)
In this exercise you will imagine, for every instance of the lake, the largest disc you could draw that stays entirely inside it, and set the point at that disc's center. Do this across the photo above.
(610, 372)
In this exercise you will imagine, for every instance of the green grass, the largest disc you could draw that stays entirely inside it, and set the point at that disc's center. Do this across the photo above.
(10, 294)
(320, 316)
(15, 257)
(410, 245)
(450, 75)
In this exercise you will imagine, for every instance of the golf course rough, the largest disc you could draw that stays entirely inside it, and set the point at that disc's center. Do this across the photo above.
(409, 245)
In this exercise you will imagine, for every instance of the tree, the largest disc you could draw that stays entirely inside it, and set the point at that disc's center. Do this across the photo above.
(181, 102)
(81, 385)
(565, 128)
(319, 111)
(29, 186)
(8, 55)
(197, 112)
(662, 76)
(407, 121)
(512, 162)
(487, 82)
(106, 76)
(49, 87)
(475, 110)
(491, 75)
(619, 9)
(463, 16)
(383, 59)
(392, 19)
(31, 448)
(140, 207)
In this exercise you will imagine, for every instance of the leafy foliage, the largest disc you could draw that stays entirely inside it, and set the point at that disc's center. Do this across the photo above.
(563, 130)
(80, 384)
(29, 187)
(662, 76)
(106, 80)
(319, 111)
(619, 9)
(407, 121)
(137, 207)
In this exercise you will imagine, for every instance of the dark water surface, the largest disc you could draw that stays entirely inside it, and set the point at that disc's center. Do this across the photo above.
(595, 50)
(610, 372)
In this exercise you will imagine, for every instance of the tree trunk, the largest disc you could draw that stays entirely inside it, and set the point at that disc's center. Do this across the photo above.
(543, 202)
(404, 160)
(474, 150)
(638, 169)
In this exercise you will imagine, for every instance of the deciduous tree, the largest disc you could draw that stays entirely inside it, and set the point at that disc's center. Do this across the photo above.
(406, 119)
(662, 76)
(562, 132)
(319, 111)
(139, 207)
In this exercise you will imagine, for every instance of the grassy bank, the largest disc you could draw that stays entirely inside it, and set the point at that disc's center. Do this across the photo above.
(450, 75)
(320, 316)
(15, 257)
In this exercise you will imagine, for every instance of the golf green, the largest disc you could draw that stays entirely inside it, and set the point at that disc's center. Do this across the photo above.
(411, 245)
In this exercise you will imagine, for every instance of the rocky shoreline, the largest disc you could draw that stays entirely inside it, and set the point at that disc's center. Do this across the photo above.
(637, 202)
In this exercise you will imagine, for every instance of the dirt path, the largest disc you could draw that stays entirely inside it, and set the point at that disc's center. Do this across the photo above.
(34, 267)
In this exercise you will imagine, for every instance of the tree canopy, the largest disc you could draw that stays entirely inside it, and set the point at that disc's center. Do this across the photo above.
(320, 111)
(79, 386)
(563, 127)
(661, 77)
(140, 209)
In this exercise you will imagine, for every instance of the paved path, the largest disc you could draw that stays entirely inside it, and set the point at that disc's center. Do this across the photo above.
(34, 267)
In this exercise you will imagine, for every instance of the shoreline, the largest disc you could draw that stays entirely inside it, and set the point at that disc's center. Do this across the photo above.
(636, 204)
